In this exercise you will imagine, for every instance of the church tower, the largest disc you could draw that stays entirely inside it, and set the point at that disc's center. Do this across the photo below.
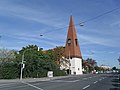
(72, 50)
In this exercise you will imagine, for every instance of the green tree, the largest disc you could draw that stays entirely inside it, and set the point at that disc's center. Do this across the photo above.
(56, 54)
(37, 64)
(114, 68)
(8, 66)
(89, 65)
(9, 70)
(31, 60)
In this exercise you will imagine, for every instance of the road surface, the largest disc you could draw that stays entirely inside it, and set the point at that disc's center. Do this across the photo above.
(82, 82)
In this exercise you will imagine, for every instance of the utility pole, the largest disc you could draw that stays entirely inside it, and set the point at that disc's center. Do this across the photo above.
(22, 63)
(22, 66)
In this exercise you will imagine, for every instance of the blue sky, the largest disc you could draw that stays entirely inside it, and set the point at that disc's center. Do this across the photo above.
(22, 22)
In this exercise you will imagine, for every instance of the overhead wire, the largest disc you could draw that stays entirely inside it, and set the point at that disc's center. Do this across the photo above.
(83, 22)
(102, 14)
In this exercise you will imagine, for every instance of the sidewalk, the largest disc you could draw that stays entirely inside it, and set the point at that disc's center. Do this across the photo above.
(32, 79)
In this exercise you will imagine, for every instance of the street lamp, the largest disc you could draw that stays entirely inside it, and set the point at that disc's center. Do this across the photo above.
(22, 62)
(41, 35)
(69, 43)
(81, 24)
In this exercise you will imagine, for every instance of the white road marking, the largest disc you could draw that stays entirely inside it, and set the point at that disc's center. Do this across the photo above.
(60, 81)
(95, 82)
(76, 80)
(90, 77)
(64, 81)
(86, 87)
(32, 86)
(85, 78)
(117, 78)
(95, 76)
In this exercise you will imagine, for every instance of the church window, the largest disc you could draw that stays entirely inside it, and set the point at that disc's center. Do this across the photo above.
(69, 42)
(76, 42)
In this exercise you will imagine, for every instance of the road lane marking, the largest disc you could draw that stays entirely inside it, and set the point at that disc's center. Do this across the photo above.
(64, 81)
(85, 78)
(32, 86)
(95, 82)
(60, 81)
(86, 87)
(90, 77)
(76, 80)
(95, 76)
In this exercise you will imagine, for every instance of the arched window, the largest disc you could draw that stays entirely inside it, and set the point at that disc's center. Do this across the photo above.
(76, 42)
(69, 42)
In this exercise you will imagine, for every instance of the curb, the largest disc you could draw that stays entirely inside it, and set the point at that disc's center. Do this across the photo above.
(32, 79)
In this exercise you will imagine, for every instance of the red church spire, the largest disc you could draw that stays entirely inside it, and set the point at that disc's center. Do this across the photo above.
(72, 47)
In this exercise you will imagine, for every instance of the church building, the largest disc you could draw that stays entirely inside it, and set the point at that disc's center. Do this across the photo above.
(72, 50)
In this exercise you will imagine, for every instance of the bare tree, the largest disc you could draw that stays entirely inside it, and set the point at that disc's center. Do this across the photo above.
(6, 55)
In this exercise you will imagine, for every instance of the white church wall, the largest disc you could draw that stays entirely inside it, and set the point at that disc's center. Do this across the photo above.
(76, 66)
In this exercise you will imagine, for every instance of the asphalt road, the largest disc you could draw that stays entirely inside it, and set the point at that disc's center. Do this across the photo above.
(82, 82)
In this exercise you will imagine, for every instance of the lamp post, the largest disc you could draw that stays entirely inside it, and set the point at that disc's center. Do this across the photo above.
(69, 43)
(22, 63)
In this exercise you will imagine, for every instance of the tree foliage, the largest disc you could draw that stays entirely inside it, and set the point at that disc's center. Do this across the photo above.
(8, 66)
(37, 63)
(56, 54)
(89, 65)
(6, 55)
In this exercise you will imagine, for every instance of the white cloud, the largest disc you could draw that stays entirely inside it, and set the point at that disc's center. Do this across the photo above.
(47, 16)
(40, 16)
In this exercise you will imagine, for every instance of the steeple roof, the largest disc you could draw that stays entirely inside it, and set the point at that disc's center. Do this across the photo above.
(72, 47)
